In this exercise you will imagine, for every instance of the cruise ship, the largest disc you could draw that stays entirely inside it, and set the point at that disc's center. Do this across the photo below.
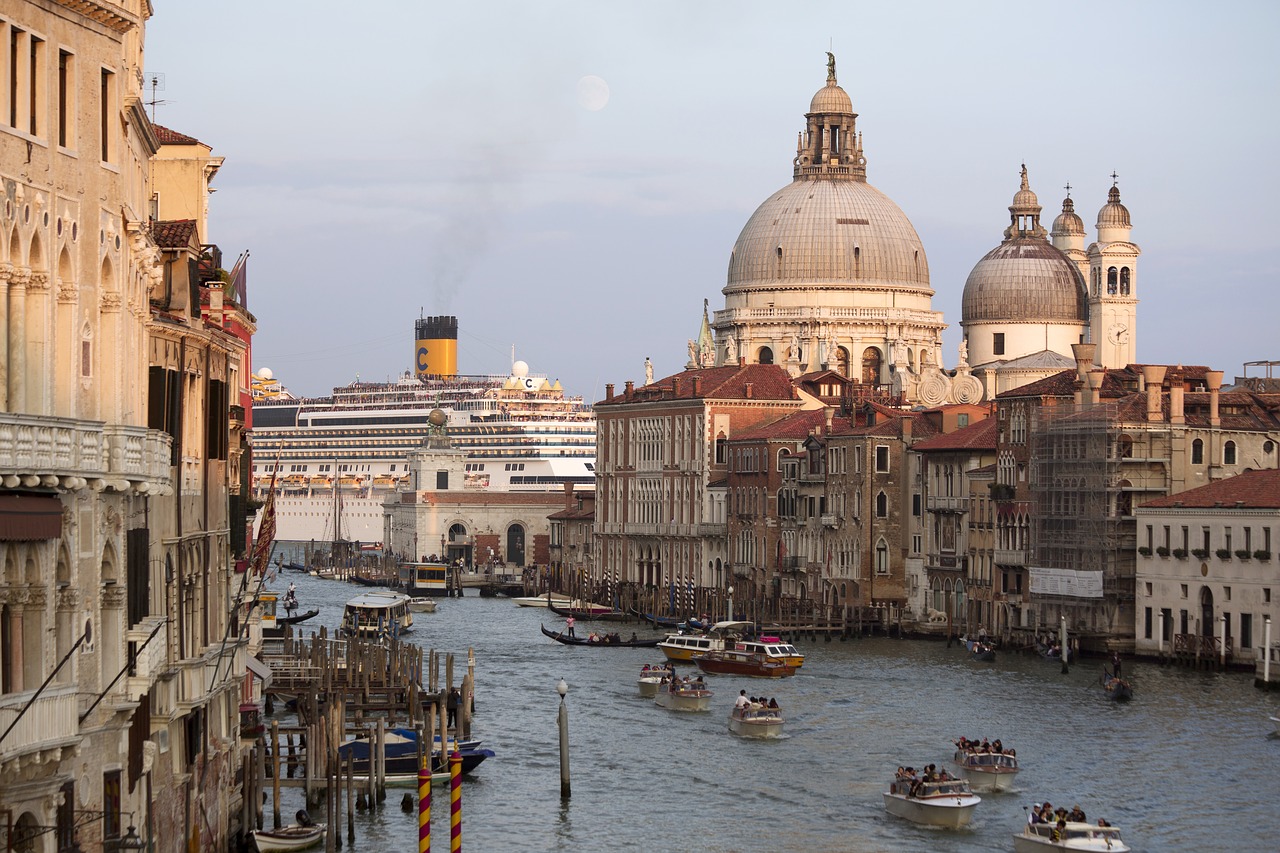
(337, 458)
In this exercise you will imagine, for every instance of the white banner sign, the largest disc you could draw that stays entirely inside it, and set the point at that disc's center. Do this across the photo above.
(1066, 582)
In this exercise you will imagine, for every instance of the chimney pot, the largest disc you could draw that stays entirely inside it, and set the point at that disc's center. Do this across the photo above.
(1153, 376)
(630, 386)
(750, 390)
(1213, 378)
(608, 392)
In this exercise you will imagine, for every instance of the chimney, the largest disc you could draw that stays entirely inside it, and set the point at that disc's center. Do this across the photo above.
(629, 387)
(1153, 376)
(1177, 414)
(907, 424)
(742, 361)
(829, 413)
(697, 386)
(1213, 379)
(1084, 359)
(608, 392)
(675, 386)
(750, 390)
(1095, 385)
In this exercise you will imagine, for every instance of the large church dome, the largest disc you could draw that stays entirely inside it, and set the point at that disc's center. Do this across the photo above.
(1026, 279)
(828, 232)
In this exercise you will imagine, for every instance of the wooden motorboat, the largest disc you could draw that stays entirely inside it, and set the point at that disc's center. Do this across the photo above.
(1116, 688)
(741, 662)
(1039, 837)
(286, 838)
(987, 771)
(543, 600)
(611, 641)
(948, 803)
(653, 677)
(580, 609)
(422, 605)
(756, 721)
(684, 697)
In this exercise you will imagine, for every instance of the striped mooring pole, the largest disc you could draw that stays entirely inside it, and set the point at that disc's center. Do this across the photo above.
(455, 802)
(424, 810)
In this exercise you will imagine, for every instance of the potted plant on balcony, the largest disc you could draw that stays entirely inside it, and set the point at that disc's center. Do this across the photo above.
(1180, 553)
(1200, 553)
(1262, 555)
(1244, 553)
(1144, 551)
(1223, 553)
(1163, 550)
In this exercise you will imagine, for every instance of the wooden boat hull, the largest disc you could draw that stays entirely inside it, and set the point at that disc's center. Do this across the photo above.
(947, 812)
(584, 641)
(288, 838)
(684, 700)
(760, 724)
(598, 612)
(541, 601)
(752, 666)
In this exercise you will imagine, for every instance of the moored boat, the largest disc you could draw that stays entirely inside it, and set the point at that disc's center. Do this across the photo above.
(422, 605)
(947, 803)
(580, 609)
(287, 838)
(680, 696)
(756, 721)
(543, 600)
(1038, 837)
(401, 755)
(987, 770)
(429, 578)
(741, 662)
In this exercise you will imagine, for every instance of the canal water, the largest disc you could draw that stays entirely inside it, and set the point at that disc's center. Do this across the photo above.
(1187, 765)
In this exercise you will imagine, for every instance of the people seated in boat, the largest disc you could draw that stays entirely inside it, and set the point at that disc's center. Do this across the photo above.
(741, 702)
(1059, 832)
(634, 638)
(1103, 822)
(1076, 815)
(773, 703)
(699, 683)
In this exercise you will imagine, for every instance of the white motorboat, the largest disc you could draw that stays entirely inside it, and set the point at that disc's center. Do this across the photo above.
(987, 771)
(756, 721)
(684, 697)
(422, 605)
(652, 678)
(948, 803)
(543, 600)
(1038, 837)
(287, 838)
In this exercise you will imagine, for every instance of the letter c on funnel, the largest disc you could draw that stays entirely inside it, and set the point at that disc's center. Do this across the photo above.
(422, 359)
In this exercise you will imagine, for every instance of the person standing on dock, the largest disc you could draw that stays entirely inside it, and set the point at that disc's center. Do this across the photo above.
(451, 707)
(569, 623)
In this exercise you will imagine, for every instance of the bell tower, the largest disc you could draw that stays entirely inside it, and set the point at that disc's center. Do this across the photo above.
(1113, 285)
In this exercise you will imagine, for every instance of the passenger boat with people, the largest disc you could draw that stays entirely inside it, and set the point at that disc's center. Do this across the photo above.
(295, 836)
(601, 640)
(1053, 652)
(756, 720)
(947, 803)
(989, 769)
(653, 677)
(272, 622)
(683, 647)
(979, 650)
(742, 662)
(377, 616)
(1116, 688)
(1073, 835)
(684, 696)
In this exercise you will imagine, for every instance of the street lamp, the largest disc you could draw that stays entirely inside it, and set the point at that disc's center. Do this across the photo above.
(730, 617)
(562, 688)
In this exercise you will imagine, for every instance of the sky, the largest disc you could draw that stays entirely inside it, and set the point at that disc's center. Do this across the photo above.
(397, 158)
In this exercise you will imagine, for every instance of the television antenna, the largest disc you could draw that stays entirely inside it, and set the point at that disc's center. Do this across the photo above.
(156, 80)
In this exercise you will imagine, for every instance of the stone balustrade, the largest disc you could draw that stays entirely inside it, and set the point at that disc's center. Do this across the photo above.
(805, 312)
(51, 722)
(151, 658)
(70, 453)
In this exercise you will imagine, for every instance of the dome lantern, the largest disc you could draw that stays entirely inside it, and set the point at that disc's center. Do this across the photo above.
(830, 146)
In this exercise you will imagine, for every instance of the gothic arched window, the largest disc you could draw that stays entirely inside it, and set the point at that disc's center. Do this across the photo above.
(1112, 275)
(1124, 281)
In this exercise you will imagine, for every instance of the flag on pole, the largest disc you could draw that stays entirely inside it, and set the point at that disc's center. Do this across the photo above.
(261, 556)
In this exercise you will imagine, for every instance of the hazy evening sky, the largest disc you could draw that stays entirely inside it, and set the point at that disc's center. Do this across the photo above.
(391, 157)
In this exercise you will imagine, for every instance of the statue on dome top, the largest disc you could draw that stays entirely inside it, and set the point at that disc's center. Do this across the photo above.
(831, 67)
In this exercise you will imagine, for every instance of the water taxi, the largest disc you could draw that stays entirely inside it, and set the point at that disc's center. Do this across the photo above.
(653, 677)
(684, 697)
(742, 662)
(1038, 837)
(947, 803)
(756, 721)
(377, 616)
(987, 771)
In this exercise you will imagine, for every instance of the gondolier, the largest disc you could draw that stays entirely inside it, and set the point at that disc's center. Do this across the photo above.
(569, 622)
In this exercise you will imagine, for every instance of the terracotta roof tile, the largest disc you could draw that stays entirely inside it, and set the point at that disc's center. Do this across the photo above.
(979, 436)
(767, 381)
(173, 234)
(172, 137)
(1258, 489)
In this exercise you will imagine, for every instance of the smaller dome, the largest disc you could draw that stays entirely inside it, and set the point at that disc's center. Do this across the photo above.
(1025, 280)
(437, 418)
(1024, 200)
(1068, 222)
(520, 369)
(1113, 213)
(831, 99)
(265, 373)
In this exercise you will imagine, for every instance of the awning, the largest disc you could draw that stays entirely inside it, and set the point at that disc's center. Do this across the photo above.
(261, 670)
(29, 518)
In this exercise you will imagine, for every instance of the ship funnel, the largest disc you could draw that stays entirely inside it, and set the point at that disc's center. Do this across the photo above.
(436, 353)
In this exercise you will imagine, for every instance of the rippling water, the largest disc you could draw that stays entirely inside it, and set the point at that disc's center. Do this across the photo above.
(1170, 768)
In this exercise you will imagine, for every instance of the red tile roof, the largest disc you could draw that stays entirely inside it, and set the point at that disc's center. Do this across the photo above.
(1257, 489)
(979, 436)
(795, 426)
(172, 137)
(173, 234)
(767, 381)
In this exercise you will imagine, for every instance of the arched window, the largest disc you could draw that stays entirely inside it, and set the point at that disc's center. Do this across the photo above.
(842, 360)
(871, 366)
(1124, 281)
(765, 356)
(1229, 453)
(1112, 275)
(779, 259)
(1124, 447)
(882, 557)
(1197, 452)
(515, 544)
(882, 505)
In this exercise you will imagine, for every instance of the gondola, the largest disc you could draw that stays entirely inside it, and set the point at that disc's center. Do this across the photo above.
(361, 580)
(979, 650)
(1116, 688)
(583, 613)
(301, 617)
(657, 621)
(605, 643)
(1053, 653)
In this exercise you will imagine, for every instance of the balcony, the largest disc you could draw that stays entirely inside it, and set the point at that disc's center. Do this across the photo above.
(138, 453)
(58, 447)
(711, 529)
(1012, 556)
(830, 520)
(52, 722)
(151, 657)
(947, 503)
(810, 477)
(194, 677)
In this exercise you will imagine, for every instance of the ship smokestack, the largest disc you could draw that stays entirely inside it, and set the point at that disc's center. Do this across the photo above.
(436, 353)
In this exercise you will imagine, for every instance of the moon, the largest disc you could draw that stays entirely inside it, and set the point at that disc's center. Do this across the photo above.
(593, 93)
